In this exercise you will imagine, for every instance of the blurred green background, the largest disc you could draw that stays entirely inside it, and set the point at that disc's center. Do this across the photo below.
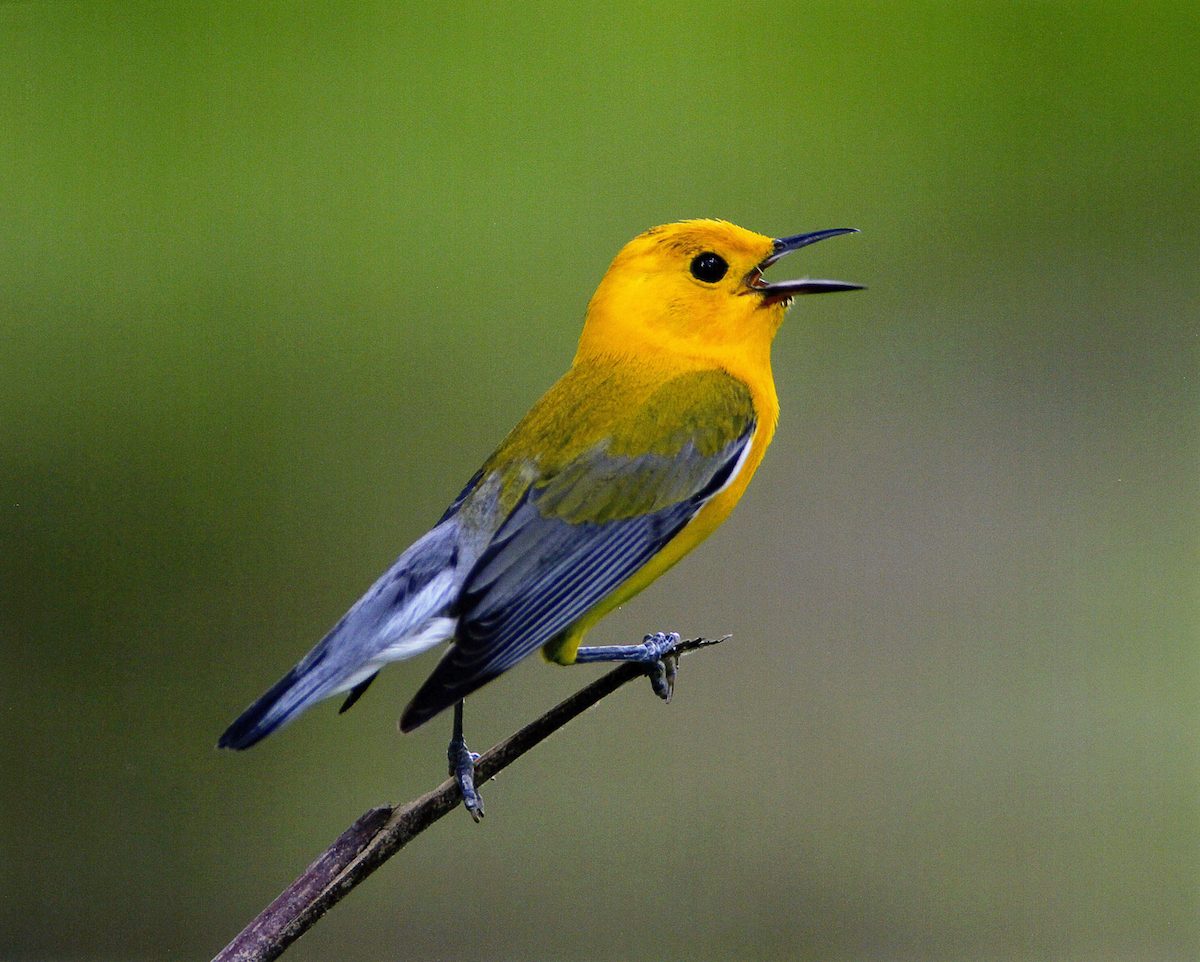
(274, 279)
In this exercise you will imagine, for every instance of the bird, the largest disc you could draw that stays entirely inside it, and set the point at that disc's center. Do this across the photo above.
(630, 460)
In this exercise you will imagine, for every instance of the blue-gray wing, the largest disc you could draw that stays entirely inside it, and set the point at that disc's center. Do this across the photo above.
(571, 540)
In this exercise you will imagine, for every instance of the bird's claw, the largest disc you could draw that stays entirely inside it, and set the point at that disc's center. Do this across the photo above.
(462, 770)
(662, 677)
(664, 663)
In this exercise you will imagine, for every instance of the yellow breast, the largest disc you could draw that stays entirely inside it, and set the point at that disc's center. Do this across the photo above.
(562, 649)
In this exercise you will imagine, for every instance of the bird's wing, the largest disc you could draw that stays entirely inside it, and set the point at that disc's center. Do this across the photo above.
(582, 529)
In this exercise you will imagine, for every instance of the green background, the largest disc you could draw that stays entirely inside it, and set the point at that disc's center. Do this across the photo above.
(275, 278)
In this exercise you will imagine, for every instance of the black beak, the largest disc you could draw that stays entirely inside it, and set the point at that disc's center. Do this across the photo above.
(785, 290)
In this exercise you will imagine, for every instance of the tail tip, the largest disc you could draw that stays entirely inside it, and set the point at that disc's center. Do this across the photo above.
(239, 736)
(273, 709)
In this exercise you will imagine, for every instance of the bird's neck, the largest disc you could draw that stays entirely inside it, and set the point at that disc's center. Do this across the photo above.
(650, 352)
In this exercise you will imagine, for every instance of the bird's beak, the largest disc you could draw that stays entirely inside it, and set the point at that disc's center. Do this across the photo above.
(774, 292)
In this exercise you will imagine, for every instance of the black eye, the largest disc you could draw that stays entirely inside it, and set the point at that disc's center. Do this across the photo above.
(709, 267)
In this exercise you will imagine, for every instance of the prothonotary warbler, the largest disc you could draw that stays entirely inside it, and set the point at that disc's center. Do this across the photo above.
(632, 459)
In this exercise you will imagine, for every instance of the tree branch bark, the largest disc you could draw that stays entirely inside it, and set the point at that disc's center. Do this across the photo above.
(381, 832)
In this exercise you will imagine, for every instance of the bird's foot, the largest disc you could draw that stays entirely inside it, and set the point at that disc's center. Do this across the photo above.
(462, 770)
(664, 662)
(656, 651)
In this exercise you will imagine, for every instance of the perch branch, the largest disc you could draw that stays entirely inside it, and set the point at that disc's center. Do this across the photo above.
(381, 832)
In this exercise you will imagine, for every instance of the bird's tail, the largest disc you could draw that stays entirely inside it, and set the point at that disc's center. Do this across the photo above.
(289, 696)
(401, 615)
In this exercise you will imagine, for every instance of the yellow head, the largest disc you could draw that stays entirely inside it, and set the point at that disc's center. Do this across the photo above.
(696, 289)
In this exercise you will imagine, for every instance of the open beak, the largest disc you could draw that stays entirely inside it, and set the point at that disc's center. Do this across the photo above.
(777, 291)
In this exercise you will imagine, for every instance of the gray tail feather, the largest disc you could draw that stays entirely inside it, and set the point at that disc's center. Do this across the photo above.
(289, 696)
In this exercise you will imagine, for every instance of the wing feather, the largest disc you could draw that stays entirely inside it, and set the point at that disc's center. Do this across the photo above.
(571, 540)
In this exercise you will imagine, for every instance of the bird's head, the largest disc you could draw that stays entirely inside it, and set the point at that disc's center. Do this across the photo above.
(697, 287)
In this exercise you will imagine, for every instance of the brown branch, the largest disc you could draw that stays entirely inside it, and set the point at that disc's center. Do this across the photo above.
(381, 832)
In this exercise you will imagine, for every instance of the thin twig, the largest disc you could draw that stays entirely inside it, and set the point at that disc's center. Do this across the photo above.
(381, 832)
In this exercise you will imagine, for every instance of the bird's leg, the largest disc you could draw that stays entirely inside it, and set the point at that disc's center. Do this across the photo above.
(462, 766)
(656, 651)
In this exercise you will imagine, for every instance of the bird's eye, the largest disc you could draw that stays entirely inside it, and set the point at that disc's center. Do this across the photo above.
(709, 267)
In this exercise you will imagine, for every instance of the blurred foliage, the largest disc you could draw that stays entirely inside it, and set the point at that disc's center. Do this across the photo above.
(275, 277)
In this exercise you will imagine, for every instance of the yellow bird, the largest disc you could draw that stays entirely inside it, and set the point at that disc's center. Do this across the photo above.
(633, 458)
